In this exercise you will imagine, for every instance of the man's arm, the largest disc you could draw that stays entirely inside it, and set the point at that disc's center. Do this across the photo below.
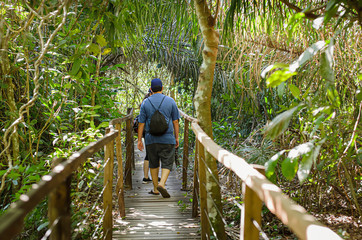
(176, 129)
(141, 126)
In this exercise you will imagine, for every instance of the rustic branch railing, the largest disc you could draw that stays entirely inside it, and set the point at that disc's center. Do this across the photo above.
(257, 189)
(56, 185)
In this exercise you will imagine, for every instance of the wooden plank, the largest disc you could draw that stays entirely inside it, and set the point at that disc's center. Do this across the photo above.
(11, 219)
(185, 157)
(152, 216)
(107, 194)
(304, 225)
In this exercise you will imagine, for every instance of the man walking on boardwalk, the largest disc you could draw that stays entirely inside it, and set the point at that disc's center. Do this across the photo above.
(160, 147)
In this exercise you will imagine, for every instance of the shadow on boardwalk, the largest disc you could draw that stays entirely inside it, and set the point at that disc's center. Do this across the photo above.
(153, 217)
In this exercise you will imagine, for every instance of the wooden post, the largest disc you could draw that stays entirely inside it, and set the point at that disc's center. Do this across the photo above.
(205, 228)
(120, 184)
(195, 201)
(251, 211)
(59, 208)
(185, 157)
(107, 194)
(129, 146)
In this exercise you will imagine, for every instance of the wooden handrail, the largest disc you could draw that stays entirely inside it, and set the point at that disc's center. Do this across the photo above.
(191, 119)
(12, 220)
(304, 225)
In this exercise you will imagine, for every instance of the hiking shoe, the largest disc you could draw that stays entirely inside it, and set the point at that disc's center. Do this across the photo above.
(146, 180)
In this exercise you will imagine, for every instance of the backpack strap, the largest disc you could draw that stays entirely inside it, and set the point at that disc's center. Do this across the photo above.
(159, 105)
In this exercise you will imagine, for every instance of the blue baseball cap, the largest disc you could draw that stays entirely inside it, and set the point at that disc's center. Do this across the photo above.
(156, 83)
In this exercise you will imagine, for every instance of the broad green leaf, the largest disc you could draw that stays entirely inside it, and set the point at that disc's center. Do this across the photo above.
(75, 67)
(278, 77)
(289, 168)
(278, 125)
(271, 164)
(304, 167)
(331, 10)
(94, 48)
(272, 67)
(106, 51)
(326, 67)
(300, 150)
(317, 23)
(307, 55)
(295, 90)
(92, 124)
(103, 124)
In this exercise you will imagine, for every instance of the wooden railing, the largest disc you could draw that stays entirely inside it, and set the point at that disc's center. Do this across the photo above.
(257, 190)
(56, 185)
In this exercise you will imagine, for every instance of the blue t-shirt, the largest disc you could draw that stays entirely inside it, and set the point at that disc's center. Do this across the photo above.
(168, 109)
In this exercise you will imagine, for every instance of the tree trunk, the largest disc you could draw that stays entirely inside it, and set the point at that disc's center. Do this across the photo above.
(202, 103)
(13, 153)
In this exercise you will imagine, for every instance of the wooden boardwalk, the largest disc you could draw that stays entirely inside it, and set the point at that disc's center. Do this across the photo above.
(153, 217)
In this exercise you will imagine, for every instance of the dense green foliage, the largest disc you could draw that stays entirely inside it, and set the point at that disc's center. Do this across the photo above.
(287, 90)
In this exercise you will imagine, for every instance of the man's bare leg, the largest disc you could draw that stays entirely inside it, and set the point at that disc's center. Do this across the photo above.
(154, 175)
(164, 175)
(146, 165)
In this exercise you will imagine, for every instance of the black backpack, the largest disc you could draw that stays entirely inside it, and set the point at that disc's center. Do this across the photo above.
(135, 124)
(158, 124)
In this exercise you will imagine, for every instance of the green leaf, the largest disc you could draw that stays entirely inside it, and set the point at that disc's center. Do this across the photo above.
(101, 40)
(304, 167)
(95, 49)
(307, 55)
(307, 163)
(289, 168)
(33, 122)
(42, 226)
(326, 69)
(333, 96)
(278, 125)
(278, 77)
(295, 90)
(80, 184)
(272, 67)
(300, 150)
(75, 67)
(103, 124)
(271, 164)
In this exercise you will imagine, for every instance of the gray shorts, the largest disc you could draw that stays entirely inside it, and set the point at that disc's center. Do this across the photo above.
(161, 152)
